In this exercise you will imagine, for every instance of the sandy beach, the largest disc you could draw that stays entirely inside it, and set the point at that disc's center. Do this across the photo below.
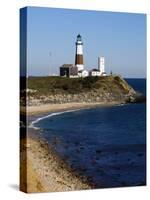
(41, 109)
(46, 172)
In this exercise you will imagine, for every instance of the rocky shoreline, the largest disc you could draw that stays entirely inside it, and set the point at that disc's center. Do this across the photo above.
(46, 172)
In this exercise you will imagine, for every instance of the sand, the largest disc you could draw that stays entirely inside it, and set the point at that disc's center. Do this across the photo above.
(33, 110)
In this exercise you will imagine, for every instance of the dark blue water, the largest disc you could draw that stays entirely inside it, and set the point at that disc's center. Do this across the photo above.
(138, 84)
(107, 145)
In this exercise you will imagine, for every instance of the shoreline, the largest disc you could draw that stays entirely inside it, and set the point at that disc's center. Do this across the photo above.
(45, 108)
(46, 171)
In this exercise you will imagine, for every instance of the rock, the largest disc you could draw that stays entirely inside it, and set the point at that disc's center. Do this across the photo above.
(136, 98)
(27, 145)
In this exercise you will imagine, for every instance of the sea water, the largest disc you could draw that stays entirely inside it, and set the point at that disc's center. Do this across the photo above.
(107, 144)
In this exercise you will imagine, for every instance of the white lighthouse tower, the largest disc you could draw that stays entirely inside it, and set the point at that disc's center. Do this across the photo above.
(101, 65)
(79, 53)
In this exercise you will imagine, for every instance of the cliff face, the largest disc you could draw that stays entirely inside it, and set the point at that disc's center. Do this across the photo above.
(42, 90)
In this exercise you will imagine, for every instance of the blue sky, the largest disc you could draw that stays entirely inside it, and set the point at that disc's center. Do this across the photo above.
(119, 37)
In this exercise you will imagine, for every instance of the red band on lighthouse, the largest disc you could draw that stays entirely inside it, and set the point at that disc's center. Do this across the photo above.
(79, 53)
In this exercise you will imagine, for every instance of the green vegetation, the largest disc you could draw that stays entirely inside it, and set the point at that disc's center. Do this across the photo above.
(59, 85)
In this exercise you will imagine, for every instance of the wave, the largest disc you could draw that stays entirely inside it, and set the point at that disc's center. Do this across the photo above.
(32, 125)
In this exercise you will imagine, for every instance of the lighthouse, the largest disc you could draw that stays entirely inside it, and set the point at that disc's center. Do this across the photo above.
(79, 53)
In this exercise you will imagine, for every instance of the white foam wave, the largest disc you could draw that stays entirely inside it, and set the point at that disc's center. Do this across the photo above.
(32, 125)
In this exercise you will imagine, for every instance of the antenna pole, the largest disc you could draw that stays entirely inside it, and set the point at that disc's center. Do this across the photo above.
(50, 68)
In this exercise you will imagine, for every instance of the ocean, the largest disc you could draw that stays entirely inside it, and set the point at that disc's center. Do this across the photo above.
(107, 144)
